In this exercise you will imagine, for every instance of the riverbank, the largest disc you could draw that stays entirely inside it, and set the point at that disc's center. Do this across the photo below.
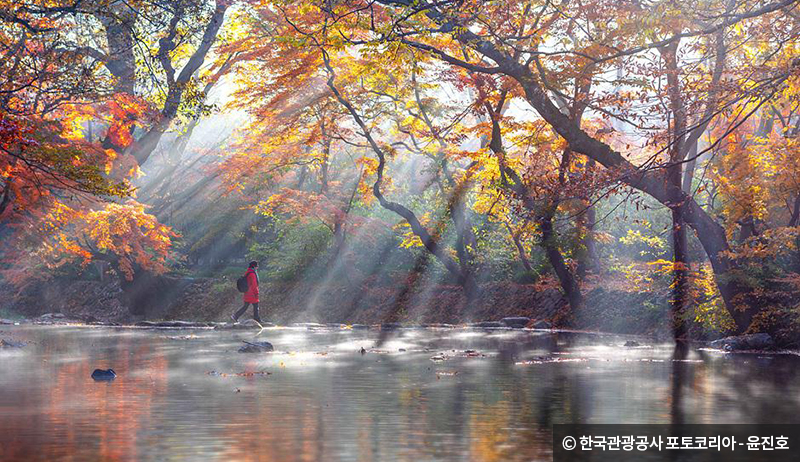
(212, 300)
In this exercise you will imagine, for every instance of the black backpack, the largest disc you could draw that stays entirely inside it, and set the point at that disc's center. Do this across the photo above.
(241, 284)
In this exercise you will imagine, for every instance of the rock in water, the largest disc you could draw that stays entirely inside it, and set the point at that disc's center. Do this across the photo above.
(744, 342)
(542, 324)
(51, 316)
(107, 374)
(517, 322)
(487, 324)
(256, 347)
(11, 344)
(631, 344)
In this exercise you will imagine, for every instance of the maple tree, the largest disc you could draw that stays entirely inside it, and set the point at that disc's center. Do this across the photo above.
(64, 130)
(302, 123)
(468, 132)
(548, 57)
(486, 38)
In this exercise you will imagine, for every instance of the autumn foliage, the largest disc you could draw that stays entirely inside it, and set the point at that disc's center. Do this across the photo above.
(469, 141)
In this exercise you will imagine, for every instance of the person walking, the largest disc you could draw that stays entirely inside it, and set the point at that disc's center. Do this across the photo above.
(251, 296)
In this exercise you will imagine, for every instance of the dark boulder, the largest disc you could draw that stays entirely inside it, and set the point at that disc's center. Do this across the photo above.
(746, 342)
(485, 324)
(52, 316)
(517, 322)
(631, 344)
(256, 347)
(11, 344)
(104, 375)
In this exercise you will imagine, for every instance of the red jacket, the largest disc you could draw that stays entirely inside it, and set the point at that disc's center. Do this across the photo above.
(251, 296)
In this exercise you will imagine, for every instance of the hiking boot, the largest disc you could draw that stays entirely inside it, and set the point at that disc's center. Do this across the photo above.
(233, 318)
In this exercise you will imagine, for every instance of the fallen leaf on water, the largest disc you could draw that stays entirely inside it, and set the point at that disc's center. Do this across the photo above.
(446, 373)
(238, 374)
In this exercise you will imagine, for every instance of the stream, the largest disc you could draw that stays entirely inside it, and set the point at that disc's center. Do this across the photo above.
(413, 395)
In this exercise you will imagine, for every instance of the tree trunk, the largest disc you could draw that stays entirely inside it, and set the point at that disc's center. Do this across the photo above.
(680, 274)
(523, 256)
(466, 243)
(338, 245)
(678, 129)
(688, 175)
(569, 284)
(568, 281)
(587, 261)
(121, 62)
(5, 199)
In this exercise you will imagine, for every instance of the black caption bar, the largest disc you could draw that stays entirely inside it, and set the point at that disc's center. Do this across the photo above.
(684, 443)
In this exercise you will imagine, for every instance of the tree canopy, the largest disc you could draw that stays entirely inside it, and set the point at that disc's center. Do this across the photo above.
(467, 141)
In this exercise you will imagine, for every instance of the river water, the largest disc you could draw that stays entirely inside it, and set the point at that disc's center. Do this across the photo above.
(189, 395)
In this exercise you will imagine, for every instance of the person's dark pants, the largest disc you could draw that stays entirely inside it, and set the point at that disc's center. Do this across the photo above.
(244, 308)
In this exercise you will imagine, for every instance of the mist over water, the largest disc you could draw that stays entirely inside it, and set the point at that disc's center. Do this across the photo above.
(189, 394)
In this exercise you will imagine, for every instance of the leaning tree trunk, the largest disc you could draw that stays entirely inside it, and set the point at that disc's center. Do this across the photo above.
(569, 282)
(709, 232)
(145, 146)
(431, 241)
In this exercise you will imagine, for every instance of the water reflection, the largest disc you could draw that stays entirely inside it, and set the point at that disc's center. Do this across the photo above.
(318, 398)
